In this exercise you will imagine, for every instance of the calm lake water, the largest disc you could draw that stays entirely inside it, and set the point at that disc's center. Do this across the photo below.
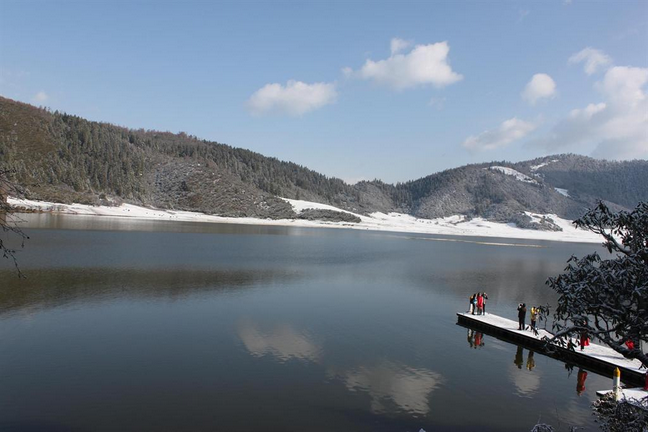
(169, 326)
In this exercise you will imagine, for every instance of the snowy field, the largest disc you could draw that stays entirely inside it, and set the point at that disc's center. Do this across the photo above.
(395, 222)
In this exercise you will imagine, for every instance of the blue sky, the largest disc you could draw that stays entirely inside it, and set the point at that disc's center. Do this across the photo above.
(357, 90)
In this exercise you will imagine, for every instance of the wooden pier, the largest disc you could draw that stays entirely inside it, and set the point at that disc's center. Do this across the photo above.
(598, 358)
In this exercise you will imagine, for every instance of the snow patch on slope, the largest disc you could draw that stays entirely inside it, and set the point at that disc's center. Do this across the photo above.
(537, 167)
(511, 172)
(563, 192)
(299, 206)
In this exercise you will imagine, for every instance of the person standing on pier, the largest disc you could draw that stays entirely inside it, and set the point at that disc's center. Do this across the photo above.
(521, 315)
(534, 317)
(584, 340)
(471, 307)
(484, 297)
(480, 304)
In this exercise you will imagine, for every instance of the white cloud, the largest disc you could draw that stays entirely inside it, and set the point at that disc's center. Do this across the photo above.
(398, 45)
(588, 112)
(614, 129)
(541, 86)
(510, 130)
(423, 65)
(295, 98)
(623, 85)
(39, 97)
(594, 59)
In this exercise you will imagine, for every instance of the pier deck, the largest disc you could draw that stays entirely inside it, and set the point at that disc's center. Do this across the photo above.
(598, 357)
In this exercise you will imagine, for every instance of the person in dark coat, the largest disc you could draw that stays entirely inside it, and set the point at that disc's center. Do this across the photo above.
(521, 315)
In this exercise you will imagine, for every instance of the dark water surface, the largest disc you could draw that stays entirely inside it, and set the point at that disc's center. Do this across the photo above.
(168, 326)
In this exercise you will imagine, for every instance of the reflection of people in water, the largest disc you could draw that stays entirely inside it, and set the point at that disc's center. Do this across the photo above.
(580, 381)
(475, 339)
(519, 357)
(530, 361)
(478, 339)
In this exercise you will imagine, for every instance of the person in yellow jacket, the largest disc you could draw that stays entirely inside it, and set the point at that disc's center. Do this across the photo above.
(534, 317)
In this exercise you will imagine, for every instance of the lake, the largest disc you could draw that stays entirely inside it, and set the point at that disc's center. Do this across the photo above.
(126, 325)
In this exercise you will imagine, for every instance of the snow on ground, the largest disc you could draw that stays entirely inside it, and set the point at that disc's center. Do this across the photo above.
(299, 206)
(563, 192)
(600, 352)
(395, 222)
(538, 218)
(517, 174)
(537, 167)
(636, 393)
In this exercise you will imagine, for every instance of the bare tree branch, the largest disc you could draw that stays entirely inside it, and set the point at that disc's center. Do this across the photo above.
(9, 221)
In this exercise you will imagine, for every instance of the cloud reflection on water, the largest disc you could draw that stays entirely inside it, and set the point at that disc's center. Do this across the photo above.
(282, 341)
(407, 387)
(389, 383)
(526, 381)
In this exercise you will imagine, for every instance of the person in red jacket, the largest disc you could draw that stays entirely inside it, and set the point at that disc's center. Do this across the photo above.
(584, 340)
(485, 297)
(480, 303)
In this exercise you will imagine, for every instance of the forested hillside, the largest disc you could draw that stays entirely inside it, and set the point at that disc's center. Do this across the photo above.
(63, 158)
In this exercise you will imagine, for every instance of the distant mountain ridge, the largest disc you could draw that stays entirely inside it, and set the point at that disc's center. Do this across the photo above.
(64, 158)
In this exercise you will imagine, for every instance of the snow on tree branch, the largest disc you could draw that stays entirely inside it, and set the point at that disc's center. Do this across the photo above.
(608, 298)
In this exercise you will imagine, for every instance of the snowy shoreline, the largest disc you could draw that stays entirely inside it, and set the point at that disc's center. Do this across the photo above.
(394, 222)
